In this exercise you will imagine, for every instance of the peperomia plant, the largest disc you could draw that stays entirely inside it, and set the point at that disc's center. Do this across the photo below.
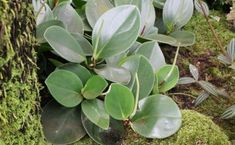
(115, 75)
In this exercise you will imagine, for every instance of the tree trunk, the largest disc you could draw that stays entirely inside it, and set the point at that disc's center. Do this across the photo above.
(19, 87)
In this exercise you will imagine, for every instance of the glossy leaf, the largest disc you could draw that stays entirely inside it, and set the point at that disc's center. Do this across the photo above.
(95, 112)
(161, 38)
(147, 13)
(95, 9)
(114, 74)
(118, 25)
(152, 51)
(84, 43)
(94, 87)
(131, 63)
(77, 69)
(177, 13)
(166, 80)
(183, 38)
(158, 117)
(61, 125)
(146, 77)
(194, 71)
(231, 50)
(65, 87)
(67, 14)
(65, 45)
(202, 7)
(41, 28)
(186, 80)
(119, 102)
(113, 135)
(209, 87)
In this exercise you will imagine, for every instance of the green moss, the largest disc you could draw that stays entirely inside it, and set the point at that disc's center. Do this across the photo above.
(19, 87)
(197, 129)
(204, 37)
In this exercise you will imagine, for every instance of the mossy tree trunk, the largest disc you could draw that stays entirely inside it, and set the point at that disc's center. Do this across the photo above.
(19, 88)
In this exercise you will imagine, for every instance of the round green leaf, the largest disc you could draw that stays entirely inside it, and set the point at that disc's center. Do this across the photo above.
(94, 87)
(96, 8)
(153, 52)
(167, 81)
(61, 125)
(84, 43)
(41, 28)
(117, 25)
(146, 78)
(65, 87)
(72, 21)
(112, 136)
(64, 44)
(95, 112)
(161, 38)
(114, 74)
(183, 38)
(119, 102)
(158, 117)
(77, 69)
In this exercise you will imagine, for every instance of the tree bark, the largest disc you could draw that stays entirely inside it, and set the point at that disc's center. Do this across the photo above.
(19, 87)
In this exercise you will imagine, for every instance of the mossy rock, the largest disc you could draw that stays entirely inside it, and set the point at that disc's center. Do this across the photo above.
(197, 129)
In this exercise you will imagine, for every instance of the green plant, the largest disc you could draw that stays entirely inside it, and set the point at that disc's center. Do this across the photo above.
(116, 72)
(208, 88)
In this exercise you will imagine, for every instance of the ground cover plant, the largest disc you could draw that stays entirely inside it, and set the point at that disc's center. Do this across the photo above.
(110, 72)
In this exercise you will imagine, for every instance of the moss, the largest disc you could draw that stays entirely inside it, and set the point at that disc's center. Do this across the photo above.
(204, 54)
(19, 87)
(197, 129)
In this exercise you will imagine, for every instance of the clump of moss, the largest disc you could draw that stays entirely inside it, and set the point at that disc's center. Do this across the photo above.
(196, 129)
(19, 87)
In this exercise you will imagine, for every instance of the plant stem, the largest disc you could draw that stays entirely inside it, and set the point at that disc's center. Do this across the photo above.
(217, 40)
(173, 65)
(182, 94)
(137, 95)
(40, 9)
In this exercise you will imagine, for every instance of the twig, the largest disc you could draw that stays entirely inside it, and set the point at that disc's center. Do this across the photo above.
(217, 40)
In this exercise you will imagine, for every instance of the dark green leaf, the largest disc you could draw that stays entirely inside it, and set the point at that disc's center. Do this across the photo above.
(118, 25)
(158, 117)
(119, 102)
(114, 74)
(167, 79)
(152, 51)
(95, 9)
(183, 38)
(61, 125)
(77, 69)
(65, 87)
(72, 21)
(146, 77)
(65, 45)
(94, 87)
(95, 112)
(41, 28)
(112, 136)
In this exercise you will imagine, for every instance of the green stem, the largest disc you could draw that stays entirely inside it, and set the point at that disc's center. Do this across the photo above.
(40, 9)
(173, 65)
(217, 40)
(137, 95)
(95, 55)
